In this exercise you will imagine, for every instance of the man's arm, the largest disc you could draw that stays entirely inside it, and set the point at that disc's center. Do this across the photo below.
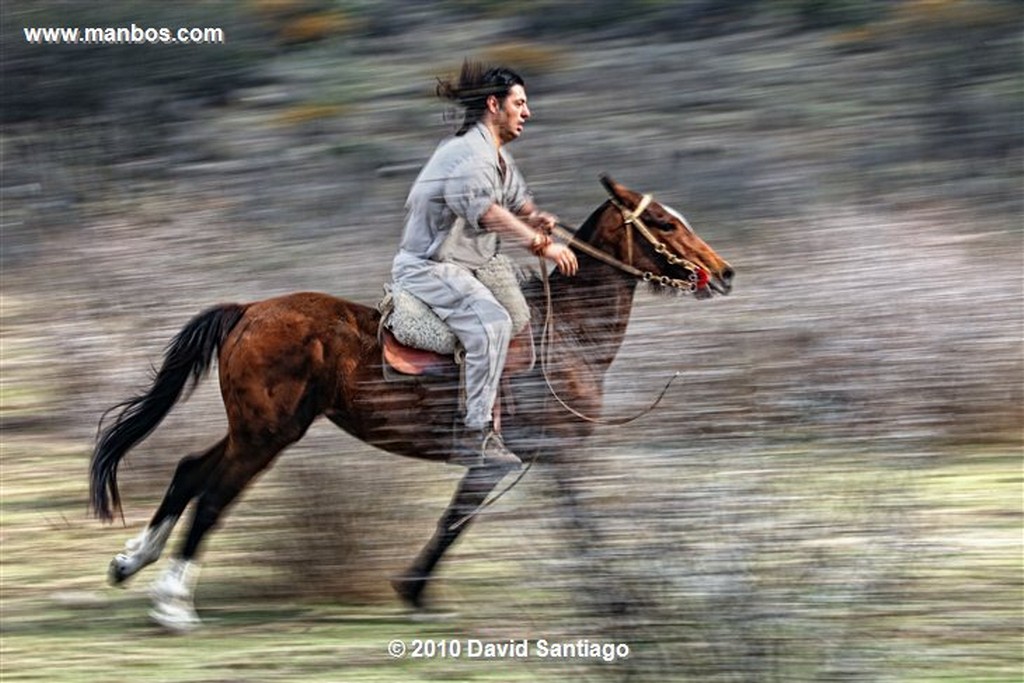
(501, 220)
(537, 219)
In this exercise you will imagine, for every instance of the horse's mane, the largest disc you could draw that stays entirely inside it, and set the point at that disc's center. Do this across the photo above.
(585, 233)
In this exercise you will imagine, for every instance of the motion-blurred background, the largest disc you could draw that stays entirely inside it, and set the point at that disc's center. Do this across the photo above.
(832, 491)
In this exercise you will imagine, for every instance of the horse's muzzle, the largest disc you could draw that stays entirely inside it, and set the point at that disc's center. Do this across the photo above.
(720, 283)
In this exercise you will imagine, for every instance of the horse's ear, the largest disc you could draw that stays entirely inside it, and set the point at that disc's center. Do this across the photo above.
(608, 183)
(614, 189)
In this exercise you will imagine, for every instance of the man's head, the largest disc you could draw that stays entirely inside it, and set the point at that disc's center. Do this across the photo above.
(495, 95)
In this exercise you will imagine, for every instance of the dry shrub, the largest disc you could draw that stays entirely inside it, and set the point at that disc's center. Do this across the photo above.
(337, 546)
(952, 12)
(282, 10)
(919, 18)
(856, 39)
(350, 521)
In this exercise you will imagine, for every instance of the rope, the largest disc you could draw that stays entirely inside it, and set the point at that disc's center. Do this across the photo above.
(547, 337)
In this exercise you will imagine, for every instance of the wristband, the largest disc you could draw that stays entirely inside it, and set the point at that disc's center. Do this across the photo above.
(539, 244)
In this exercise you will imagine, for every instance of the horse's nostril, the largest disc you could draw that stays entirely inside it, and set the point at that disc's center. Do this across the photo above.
(727, 274)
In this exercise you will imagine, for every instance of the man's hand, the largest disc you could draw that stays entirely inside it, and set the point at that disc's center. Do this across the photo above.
(542, 220)
(563, 257)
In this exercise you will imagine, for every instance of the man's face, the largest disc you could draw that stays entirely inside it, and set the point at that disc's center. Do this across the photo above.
(512, 114)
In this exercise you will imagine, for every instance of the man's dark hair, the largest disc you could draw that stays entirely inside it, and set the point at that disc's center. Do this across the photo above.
(476, 83)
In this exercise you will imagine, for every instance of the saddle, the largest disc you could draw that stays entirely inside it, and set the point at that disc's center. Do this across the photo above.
(415, 341)
(401, 362)
(409, 361)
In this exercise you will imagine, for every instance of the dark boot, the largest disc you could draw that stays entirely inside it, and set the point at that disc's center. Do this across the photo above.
(483, 447)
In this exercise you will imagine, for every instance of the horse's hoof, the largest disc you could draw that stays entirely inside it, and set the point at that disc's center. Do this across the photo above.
(176, 617)
(119, 571)
(410, 590)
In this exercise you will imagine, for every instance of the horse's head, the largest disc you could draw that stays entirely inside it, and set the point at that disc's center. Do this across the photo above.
(659, 243)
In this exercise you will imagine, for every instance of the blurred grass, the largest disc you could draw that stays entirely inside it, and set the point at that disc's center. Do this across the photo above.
(60, 622)
(951, 609)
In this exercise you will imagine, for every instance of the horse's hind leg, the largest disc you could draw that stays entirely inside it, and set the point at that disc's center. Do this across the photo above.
(473, 490)
(172, 593)
(146, 548)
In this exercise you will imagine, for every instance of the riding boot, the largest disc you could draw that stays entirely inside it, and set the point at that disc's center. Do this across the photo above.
(475, 447)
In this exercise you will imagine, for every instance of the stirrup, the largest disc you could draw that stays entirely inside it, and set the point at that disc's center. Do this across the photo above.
(490, 450)
(495, 452)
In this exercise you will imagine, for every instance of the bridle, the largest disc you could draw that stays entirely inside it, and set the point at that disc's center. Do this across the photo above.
(631, 220)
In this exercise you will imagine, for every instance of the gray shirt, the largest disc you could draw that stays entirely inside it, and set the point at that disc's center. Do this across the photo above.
(458, 185)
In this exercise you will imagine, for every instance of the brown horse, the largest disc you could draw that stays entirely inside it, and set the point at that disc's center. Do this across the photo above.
(286, 361)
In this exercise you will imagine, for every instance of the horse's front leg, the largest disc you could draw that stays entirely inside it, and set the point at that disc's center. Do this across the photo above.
(600, 585)
(473, 490)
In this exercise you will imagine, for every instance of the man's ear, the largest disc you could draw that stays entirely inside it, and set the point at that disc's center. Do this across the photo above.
(493, 105)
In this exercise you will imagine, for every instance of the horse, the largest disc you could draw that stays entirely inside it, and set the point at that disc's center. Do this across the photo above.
(287, 361)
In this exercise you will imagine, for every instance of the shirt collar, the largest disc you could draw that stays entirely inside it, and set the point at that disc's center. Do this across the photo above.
(485, 133)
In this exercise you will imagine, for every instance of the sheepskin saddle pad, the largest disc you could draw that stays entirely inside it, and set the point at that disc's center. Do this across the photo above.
(408, 322)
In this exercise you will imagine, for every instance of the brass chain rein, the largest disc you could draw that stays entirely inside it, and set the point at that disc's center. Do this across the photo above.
(631, 219)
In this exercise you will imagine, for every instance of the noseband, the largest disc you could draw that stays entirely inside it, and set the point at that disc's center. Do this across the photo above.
(631, 220)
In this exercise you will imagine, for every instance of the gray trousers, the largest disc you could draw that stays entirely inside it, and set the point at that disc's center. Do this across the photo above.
(480, 323)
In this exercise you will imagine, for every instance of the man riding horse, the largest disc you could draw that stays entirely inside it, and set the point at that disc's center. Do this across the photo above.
(468, 195)
(287, 361)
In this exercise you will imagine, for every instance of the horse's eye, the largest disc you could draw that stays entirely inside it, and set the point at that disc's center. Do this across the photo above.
(665, 226)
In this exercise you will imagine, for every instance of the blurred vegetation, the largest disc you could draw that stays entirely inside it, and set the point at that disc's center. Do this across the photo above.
(835, 493)
(959, 55)
(62, 83)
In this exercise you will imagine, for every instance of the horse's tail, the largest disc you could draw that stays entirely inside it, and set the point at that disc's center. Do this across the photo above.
(187, 356)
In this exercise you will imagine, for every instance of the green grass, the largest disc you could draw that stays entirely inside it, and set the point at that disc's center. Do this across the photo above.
(956, 615)
(238, 643)
(62, 623)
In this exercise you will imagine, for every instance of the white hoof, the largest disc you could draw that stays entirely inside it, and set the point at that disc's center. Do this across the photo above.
(139, 552)
(172, 596)
(175, 616)
(170, 588)
(123, 567)
(119, 570)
